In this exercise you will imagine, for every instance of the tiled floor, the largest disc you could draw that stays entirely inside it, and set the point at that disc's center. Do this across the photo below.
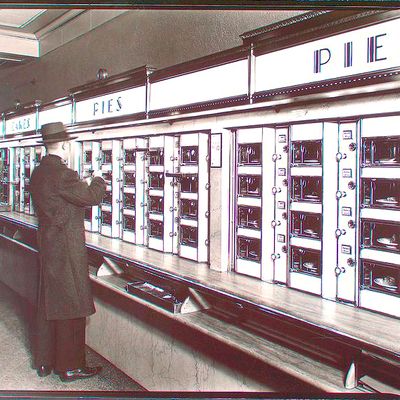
(15, 357)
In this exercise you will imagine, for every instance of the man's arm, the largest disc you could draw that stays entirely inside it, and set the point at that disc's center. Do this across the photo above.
(78, 192)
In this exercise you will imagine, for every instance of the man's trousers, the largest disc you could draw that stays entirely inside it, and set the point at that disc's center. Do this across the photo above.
(59, 344)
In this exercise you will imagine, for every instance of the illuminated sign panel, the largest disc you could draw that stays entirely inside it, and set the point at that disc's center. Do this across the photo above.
(58, 114)
(21, 124)
(127, 102)
(364, 50)
(220, 82)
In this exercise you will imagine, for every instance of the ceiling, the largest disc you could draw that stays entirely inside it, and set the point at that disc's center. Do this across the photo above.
(22, 28)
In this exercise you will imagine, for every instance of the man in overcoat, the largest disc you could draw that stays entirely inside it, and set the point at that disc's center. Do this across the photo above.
(64, 296)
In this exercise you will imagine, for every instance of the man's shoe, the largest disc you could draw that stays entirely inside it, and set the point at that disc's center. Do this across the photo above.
(79, 373)
(43, 370)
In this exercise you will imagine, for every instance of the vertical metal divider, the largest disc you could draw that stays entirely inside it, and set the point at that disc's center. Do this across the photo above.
(234, 182)
(140, 183)
(31, 167)
(337, 267)
(227, 201)
(329, 219)
(176, 229)
(347, 212)
(357, 218)
(209, 196)
(96, 159)
(280, 222)
(143, 204)
(21, 179)
(11, 173)
(203, 197)
(268, 204)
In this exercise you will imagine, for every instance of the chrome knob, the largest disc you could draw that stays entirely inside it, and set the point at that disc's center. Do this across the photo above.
(275, 223)
(351, 224)
(351, 185)
(351, 262)
(352, 146)
(275, 256)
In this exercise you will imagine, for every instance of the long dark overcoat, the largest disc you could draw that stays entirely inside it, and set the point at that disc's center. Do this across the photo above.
(59, 198)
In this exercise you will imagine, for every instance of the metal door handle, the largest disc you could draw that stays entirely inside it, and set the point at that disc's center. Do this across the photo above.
(339, 232)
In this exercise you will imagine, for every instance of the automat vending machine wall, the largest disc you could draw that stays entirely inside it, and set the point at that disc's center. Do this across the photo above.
(295, 207)
(177, 194)
(380, 215)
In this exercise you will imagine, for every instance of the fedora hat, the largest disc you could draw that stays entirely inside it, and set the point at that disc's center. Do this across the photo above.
(54, 132)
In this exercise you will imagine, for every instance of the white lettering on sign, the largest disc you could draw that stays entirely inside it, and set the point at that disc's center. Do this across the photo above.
(127, 102)
(369, 49)
(21, 124)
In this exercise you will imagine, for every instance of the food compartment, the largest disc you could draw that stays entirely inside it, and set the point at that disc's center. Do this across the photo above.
(250, 185)
(249, 154)
(188, 236)
(106, 218)
(156, 204)
(129, 201)
(129, 156)
(156, 157)
(306, 188)
(188, 208)
(380, 235)
(382, 151)
(156, 229)
(189, 155)
(249, 248)
(156, 180)
(107, 198)
(249, 217)
(189, 183)
(106, 156)
(305, 261)
(129, 178)
(128, 222)
(381, 277)
(306, 152)
(380, 193)
(307, 225)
